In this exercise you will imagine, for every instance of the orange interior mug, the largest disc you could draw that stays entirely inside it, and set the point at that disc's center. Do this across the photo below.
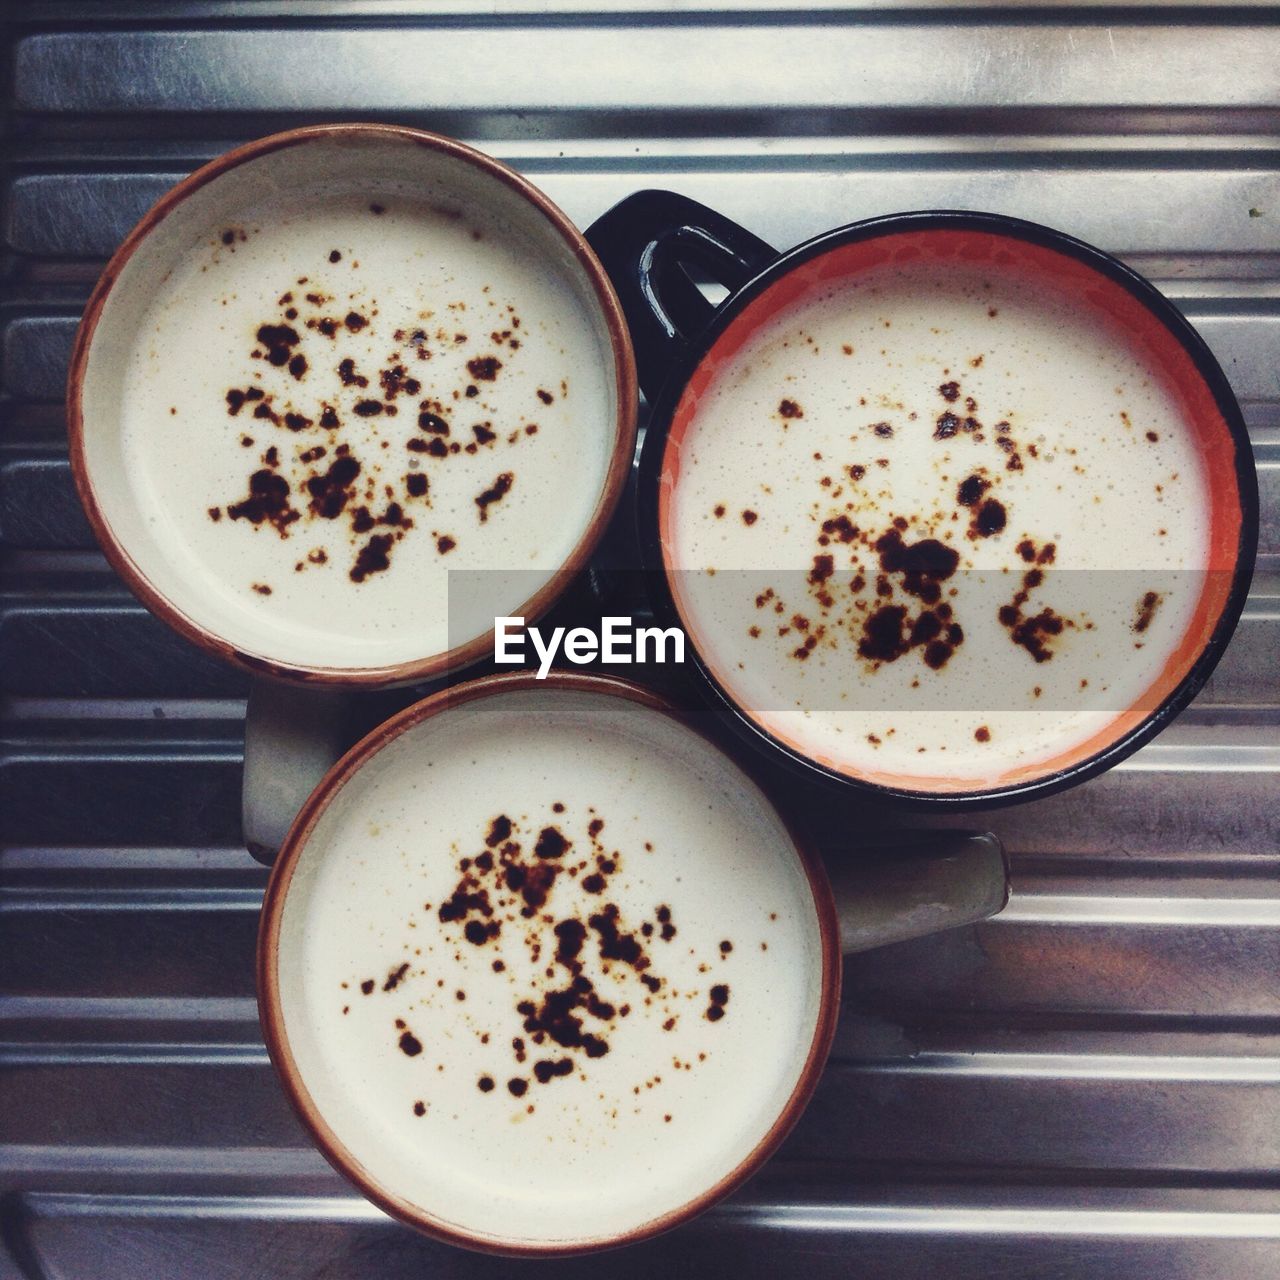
(955, 509)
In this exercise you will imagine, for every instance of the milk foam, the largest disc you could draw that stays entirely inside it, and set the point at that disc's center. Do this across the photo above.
(680, 1098)
(830, 423)
(428, 291)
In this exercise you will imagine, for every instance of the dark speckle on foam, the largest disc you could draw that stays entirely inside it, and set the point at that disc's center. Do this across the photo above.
(332, 309)
(586, 962)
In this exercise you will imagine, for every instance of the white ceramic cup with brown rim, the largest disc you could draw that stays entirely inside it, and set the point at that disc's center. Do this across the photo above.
(543, 970)
(322, 374)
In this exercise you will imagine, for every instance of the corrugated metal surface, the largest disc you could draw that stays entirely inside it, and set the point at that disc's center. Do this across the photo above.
(1087, 1086)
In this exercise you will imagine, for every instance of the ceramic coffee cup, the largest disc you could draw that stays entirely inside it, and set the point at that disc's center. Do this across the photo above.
(325, 372)
(955, 509)
(543, 970)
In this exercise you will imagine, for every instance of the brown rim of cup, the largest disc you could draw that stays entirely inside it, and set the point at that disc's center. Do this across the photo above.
(272, 1022)
(395, 673)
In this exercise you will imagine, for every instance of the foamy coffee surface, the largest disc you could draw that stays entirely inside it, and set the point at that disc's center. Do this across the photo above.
(332, 403)
(549, 965)
(938, 521)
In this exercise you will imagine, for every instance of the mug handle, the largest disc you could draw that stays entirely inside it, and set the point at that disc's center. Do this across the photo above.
(644, 243)
(929, 883)
(292, 736)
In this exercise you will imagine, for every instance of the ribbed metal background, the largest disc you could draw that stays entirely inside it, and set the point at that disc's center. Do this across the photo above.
(1088, 1086)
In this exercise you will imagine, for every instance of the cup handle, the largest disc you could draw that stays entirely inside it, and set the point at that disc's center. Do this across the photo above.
(931, 883)
(644, 243)
(291, 738)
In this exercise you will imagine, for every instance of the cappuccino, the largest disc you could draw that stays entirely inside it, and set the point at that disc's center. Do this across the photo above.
(339, 392)
(937, 521)
(547, 966)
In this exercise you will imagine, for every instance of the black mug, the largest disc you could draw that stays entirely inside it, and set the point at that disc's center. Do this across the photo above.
(654, 245)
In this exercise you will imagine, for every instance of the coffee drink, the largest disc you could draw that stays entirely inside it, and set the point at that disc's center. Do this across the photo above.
(335, 406)
(342, 387)
(938, 519)
(548, 964)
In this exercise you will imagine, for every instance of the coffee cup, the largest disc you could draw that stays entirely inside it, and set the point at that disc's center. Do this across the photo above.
(543, 970)
(954, 509)
(323, 372)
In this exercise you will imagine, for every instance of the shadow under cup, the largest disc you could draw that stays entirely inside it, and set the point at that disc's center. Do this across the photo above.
(1067, 274)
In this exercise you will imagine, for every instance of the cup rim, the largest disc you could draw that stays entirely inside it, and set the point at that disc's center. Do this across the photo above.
(272, 1021)
(652, 459)
(626, 390)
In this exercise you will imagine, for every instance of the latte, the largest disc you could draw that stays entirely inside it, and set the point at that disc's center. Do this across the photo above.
(937, 520)
(547, 965)
(319, 387)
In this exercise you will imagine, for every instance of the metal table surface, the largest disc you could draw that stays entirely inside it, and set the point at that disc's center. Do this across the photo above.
(1087, 1086)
